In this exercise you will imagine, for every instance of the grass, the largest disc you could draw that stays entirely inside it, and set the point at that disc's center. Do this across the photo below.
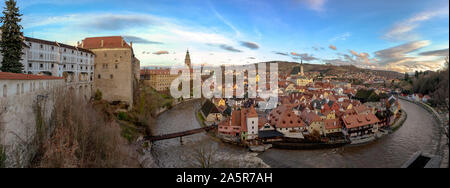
(201, 119)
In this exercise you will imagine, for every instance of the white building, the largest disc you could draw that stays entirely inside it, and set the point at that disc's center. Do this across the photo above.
(49, 58)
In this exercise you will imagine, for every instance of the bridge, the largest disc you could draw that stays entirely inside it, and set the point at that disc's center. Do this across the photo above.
(179, 134)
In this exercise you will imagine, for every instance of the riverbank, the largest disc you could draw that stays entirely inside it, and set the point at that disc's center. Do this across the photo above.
(307, 146)
(431, 110)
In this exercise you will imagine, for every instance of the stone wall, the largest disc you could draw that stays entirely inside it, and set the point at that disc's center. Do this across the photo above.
(18, 115)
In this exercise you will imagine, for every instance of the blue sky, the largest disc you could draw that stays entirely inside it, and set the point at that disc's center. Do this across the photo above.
(401, 35)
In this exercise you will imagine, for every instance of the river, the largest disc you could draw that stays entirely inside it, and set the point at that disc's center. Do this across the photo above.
(420, 132)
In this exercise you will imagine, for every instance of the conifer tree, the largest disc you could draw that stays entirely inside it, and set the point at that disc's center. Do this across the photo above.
(11, 42)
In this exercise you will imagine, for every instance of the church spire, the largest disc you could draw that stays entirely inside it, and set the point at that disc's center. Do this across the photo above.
(187, 60)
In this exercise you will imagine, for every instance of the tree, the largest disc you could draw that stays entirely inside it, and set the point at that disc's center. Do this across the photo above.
(11, 43)
(406, 76)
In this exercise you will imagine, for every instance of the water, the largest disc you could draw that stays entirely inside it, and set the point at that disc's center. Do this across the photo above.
(172, 154)
(419, 132)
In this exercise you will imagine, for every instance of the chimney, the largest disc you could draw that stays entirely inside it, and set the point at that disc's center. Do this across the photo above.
(101, 44)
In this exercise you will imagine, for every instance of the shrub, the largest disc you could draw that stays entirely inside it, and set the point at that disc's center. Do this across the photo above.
(2, 157)
(123, 116)
(83, 138)
(98, 95)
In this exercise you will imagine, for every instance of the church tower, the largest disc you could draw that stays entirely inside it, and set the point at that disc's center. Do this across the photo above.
(301, 69)
(187, 60)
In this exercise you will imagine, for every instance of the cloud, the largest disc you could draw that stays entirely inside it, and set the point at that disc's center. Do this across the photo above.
(116, 22)
(403, 30)
(139, 40)
(280, 53)
(443, 52)
(397, 54)
(225, 21)
(332, 47)
(229, 48)
(161, 52)
(342, 36)
(303, 56)
(224, 47)
(316, 5)
(399, 58)
(250, 45)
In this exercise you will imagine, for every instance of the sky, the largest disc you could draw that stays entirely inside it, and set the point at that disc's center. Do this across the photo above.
(400, 35)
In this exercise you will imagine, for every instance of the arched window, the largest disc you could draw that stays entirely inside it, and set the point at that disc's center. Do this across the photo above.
(5, 90)
(99, 76)
(18, 89)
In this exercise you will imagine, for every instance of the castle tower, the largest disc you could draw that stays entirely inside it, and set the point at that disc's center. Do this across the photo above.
(187, 60)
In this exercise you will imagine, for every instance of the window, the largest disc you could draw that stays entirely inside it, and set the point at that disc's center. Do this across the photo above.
(116, 66)
(111, 76)
(65, 58)
(106, 55)
(41, 65)
(41, 56)
(30, 65)
(18, 89)
(72, 66)
(42, 46)
(53, 48)
(53, 65)
(64, 51)
(99, 76)
(5, 90)
(72, 51)
(22, 89)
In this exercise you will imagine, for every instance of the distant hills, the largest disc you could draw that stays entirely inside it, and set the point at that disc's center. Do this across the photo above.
(294, 67)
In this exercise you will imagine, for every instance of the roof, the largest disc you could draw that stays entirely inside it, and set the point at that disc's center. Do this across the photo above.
(108, 42)
(354, 121)
(269, 134)
(16, 76)
(54, 43)
(332, 124)
(209, 108)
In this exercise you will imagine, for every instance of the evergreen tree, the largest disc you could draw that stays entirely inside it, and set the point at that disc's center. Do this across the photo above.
(11, 42)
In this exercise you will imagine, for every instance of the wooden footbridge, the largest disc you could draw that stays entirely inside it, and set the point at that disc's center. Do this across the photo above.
(180, 134)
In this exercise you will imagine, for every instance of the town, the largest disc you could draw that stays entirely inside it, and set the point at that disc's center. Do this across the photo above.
(94, 102)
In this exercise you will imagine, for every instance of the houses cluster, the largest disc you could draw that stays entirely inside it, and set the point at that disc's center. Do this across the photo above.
(319, 108)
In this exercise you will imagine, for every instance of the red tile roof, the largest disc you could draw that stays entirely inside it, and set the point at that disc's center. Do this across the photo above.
(354, 121)
(15, 76)
(108, 42)
(332, 124)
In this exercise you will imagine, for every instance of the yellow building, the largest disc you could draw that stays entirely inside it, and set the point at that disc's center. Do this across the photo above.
(158, 79)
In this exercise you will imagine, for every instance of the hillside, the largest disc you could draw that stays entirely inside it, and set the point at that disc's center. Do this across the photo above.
(292, 67)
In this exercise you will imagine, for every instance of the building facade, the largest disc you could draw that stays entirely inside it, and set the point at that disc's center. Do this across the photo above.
(116, 68)
(158, 79)
(76, 65)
